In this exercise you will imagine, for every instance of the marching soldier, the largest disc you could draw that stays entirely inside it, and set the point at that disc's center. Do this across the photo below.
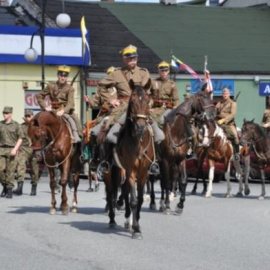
(11, 137)
(226, 111)
(26, 155)
(62, 100)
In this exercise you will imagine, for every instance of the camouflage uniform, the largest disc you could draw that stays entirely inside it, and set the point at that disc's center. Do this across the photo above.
(10, 133)
(119, 79)
(163, 91)
(62, 95)
(26, 155)
(227, 110)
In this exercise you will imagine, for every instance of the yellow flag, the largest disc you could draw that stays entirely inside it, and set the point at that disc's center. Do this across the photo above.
(84, 32)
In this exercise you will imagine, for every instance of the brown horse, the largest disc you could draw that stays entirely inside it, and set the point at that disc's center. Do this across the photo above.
(50, 134)
(215, 147)
(254, 136)
(174, 147)
(131, 158)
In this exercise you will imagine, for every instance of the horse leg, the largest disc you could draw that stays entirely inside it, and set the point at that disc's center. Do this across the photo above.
(261, 197)
(152, 205)
(246, 173)
(228, 178)
(65, 169)
(182, 187)
(76, 180)
(165, 188)
(52, 186)
(211, 178)
(239, 177)
(136, 234)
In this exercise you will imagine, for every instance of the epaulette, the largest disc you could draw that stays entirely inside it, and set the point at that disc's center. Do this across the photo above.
(144, 69)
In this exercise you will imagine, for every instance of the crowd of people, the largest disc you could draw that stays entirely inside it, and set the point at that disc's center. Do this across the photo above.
(111, 98)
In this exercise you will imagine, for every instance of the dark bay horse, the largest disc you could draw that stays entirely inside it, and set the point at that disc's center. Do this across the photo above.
(254, 136)
(132, 156)
(214, 146)
(174, 147)
(49, 134)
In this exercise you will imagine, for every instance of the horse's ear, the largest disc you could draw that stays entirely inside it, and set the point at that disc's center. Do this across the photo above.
(131, 84)
(148, 85)
(35, 122)
(244, 120)
(252, 120)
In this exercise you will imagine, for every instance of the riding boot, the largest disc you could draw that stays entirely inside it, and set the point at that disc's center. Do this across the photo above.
(33, 190)
(154, 168)
(9, 193)
(94, 153)
(158, 133)
(19, 190)
(236, 152)
(4, 192)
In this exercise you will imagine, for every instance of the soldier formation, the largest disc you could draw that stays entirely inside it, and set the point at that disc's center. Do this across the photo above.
(112, 98)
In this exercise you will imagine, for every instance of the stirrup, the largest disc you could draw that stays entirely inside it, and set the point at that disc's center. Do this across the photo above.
(154, 169)
(103, 167)
(236, 157)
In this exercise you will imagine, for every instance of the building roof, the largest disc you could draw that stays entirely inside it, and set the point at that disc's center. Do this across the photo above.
(236, 40)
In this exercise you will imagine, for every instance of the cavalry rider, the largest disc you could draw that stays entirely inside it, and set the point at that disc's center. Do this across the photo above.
(266, 116)
(226, 111)
(120, 80)
(100, 100)
(62, 101)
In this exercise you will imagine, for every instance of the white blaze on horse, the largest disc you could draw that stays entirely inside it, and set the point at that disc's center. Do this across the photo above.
(218, 148)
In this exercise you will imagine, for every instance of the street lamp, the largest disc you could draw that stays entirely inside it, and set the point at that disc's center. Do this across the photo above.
(63, 20)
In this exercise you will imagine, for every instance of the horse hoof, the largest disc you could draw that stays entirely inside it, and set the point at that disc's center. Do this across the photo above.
(161, 209)
(193, 192)
(167, 211)
(137, 236)
(247, 192)
(65, 212)
(112, 225)
(153, 206)
(127, 226)
(261, 198)
(208, 195)
(239, 194)
(74, 210)
(52, 211)
(228, 195)
(178, 211)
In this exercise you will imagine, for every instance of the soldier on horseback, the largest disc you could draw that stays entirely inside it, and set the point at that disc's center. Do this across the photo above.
(226, 111)
(120, 80)
(62, 101)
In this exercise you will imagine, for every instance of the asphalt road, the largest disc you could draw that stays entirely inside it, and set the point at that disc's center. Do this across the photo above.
(215, 233)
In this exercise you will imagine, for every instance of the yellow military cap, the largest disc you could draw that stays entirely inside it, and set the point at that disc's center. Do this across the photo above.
(7, 109)
(63, 70)
(110, 70)
(129, 51)
(163, 65)
(187, 95)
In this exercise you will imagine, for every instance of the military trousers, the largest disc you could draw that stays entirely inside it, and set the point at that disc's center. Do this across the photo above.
(27, 156)
(8, 165)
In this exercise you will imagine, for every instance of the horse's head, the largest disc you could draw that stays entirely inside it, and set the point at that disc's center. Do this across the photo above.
(250, 132)
(138, 109)
(199, 104)
(35, 133)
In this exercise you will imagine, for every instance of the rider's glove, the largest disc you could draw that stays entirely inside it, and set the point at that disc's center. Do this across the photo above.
(221, 121)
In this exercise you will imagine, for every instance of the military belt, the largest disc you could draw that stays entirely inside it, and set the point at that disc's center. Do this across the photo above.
(7, 146)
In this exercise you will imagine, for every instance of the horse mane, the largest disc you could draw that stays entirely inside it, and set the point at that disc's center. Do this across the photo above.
(257, 127)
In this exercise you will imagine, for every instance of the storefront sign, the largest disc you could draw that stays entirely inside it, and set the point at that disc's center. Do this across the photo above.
(30, 100)
(264, 89)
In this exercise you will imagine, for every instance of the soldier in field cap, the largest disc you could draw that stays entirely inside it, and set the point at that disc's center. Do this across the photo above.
(27, 155)
(62, 101)
(11, 137)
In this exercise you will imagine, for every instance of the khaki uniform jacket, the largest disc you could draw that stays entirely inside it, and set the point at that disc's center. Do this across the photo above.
(119, 79)
(10, 133)
(266, 117)
(165, 90)
(63, 93)
(104, 96)
(227, 110)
